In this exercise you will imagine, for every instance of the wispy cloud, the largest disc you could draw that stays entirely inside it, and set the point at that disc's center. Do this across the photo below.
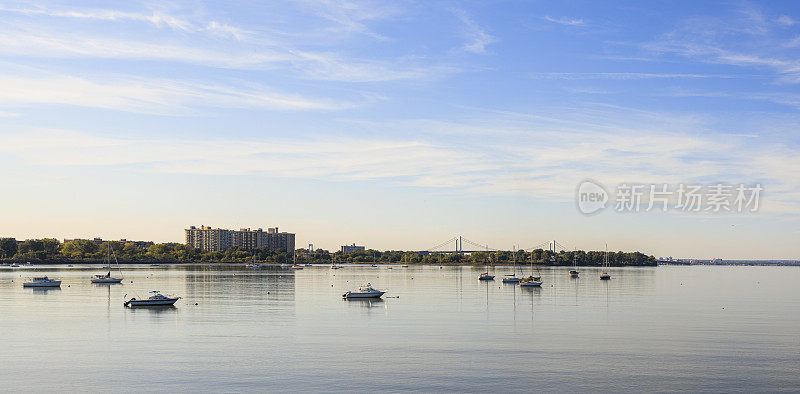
(636, 147)
(477, 37)
(565, 21)
(746, 39)
(231, 47)
(786, 20)
(155, 96)
(626, 75)
(155, 18)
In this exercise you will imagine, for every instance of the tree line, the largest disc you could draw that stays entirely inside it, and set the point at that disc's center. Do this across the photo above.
(50, 249)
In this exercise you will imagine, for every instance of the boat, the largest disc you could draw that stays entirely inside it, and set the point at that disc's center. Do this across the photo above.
(295, 266)
(42, 281)
(253, 265)
(364, 291)
(107, 278)
(512, 278)
(605, 275)
(574, 272)
(156, 299)
(485, 276)
(308, 265)
(532, 281)
(404, 266)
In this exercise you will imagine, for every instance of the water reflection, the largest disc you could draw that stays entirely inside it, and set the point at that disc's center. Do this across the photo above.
(364, 302)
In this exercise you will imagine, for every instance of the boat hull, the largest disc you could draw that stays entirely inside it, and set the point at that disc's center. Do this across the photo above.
(511, 280)
(350, 295)
(56, 283)
(486, 277)
(107, 280)
(531, 284)
(161, 302)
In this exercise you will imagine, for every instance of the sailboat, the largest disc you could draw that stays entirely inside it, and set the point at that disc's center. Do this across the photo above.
(532, 281)
(605, 275)
(333, 263)
(485, 275)
(574, 272)
(107, 278)
(253, 263)
(512, 278)
(295, 266)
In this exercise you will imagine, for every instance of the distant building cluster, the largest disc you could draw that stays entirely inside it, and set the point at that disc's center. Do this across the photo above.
(215, 239)
(351, 248)
(97, 240)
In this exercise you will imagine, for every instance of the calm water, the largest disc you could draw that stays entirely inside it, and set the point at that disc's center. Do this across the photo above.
(655, 329)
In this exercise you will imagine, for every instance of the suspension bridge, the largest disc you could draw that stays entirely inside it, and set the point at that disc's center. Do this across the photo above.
(456, 245)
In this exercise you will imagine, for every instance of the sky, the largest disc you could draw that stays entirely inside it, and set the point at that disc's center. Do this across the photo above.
(400, 124)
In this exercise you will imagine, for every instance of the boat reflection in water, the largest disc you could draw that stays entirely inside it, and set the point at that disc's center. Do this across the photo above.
(366, 302)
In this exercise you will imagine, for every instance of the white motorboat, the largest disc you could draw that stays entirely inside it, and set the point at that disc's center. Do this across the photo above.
(156, 299)
(42, 281)
(365, 291)
(296, 267)
(253, 266)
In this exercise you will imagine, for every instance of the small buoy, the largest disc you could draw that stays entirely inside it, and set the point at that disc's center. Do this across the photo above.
(195, 303)
(267, 292)
(67, 285)
(131, 281)
(331, 285)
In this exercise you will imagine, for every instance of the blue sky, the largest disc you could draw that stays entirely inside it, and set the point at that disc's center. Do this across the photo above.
(399, 124)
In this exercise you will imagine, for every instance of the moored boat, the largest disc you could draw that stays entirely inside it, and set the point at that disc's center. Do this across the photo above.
(531, 281)
(107, 278)
(485, 276)
(365, 291)
(605, 275)
(512, 278)
(156, 299)
(42, 281)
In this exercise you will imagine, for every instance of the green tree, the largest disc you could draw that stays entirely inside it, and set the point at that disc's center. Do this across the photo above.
(8, 247)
